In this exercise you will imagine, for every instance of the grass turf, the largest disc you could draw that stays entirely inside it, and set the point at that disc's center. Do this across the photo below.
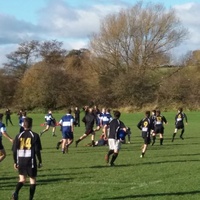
(167, 172)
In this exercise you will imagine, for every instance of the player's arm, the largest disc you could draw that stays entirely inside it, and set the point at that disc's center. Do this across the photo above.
(38, 149)
(14, 149)
(165, 120)
(185, 116)
(72, 125)
(5, 134)
(139, 125)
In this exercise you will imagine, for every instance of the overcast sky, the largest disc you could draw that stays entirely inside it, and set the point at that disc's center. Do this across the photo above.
(73, 21)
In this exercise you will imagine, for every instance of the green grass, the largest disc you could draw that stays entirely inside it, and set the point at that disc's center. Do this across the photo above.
(167, 172)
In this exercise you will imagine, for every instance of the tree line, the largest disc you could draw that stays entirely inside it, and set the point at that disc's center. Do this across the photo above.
(125, 65)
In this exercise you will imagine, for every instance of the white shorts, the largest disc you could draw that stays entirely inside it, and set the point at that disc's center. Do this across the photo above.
(114, 144)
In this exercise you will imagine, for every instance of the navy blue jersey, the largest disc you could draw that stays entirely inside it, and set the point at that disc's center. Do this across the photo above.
(2, 129)
(67, 122)
(105, 118)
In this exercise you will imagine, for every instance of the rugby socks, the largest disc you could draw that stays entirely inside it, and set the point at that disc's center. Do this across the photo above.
(93, 143)
(154, 139)
(110, 152)
(32, 191)
(113, 158)
(58, 144)
(77, 141)
(173, 137)
(18, 187)
(181, 136)
(142, 155)
(161, 141)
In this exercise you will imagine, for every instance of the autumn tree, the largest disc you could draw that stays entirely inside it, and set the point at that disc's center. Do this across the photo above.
(21, 59)
(133, 42)
(139, 37)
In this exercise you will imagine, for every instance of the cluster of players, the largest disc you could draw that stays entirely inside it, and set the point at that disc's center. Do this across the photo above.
(27, 144)
(153, 125)
(94, 120)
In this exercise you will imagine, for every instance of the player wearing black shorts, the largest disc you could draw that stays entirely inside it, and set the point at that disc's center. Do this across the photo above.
(89, 119)
(26, 148)
(145, 126)
(159, 122)
(4, 133)
(179, 123)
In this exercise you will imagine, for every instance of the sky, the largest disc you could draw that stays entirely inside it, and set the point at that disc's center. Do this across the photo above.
(73, 21)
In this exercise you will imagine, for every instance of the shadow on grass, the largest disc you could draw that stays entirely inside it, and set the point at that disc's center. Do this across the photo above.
(143, 163)
(52, 180)
(155, 195)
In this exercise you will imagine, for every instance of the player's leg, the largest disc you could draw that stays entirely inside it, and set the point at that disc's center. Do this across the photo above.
(20, 184)
(161, 138)
(58, 144)
(146, 142)
(93, 138)
(116, 152)
(46, 129)
(81, 138)
(32, 188)
(181, 135)
(2, 154)
(174, 134)
(70, 140)
(153, 137)
(64, 142)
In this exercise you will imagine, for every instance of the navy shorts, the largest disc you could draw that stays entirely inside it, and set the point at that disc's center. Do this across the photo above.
(68, 135)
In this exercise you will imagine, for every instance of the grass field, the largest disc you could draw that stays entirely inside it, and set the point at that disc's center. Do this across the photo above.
(167, 172)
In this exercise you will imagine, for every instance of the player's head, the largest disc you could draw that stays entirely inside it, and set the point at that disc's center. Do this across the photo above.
(28, 123)
(108, 110)
(23, 113)
(117, 114)
(103, 110)
(157, 112)
(90, 109)
(180, 110)
(153, 112)
(69, 110)
(50, 112)
(1, 116)
(147, 113)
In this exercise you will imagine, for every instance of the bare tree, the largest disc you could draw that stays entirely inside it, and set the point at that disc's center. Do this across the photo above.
(52, 52)
(139, 37)
(21, 59)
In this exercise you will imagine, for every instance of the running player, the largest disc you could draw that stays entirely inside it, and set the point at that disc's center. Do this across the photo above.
(159, 122)
(89, 119)
(145, 126)
(5, 134)
(179, 123)
(50, 122)
(67, 127)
